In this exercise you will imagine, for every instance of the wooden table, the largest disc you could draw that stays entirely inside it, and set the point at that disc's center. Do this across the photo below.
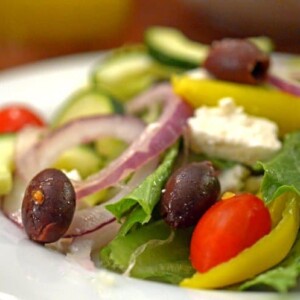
(146, 13)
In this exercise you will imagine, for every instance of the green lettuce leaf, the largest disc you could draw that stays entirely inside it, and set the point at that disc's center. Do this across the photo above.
(153, 252)
(282, 173)
(146, 195)
(282, 277)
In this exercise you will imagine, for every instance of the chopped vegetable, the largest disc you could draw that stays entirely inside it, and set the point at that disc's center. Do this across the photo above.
(282, 172)
(88, 101)
(147, 195)
(151, 252)
(7, 145)
(81, 158)
(14, 117)
(227, 228)
(264, 254)
(127, 71)
(171, 47)
(283, 276)
(282, 108)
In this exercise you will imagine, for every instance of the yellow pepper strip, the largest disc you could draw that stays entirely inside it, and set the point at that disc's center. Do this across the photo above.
(264, 254)
(282, 108)
(276, 208)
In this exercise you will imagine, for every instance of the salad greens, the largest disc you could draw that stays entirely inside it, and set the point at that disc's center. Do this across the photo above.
(146, 195)
(282, 173)
(151, 252)
(120, 251)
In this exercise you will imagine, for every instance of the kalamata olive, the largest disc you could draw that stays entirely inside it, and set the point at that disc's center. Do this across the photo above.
(48, 206)
(189, 192)
(237, 60)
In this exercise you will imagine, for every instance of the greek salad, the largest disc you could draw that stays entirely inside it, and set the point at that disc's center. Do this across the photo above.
(178, 162)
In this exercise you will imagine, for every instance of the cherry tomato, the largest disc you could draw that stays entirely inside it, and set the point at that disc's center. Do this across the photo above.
(227, 228)
(15, 117)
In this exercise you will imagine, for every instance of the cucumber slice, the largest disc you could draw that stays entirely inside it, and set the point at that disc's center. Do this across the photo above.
(110, 148)
(82, 158)
(96, 198)
(171, 47)
(86, 102)
(129, 70)
(7, 146)
(264, 43)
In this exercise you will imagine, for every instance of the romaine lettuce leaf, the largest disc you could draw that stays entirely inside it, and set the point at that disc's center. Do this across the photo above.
(282, 173)
(145, 195)
(152, 252)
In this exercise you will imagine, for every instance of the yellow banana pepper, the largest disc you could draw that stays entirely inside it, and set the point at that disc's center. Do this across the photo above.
(264, 254)
(282, 108)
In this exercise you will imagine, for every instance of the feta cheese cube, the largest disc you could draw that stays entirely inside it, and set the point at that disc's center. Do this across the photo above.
(227, 132)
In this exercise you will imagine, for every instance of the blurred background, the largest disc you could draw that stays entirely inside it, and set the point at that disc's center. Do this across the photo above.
(31, 30)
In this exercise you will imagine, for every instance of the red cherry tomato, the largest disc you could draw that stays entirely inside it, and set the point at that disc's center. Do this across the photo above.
(227, 228)
(15, 117)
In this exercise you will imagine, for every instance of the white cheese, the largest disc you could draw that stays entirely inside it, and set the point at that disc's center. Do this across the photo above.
(233, 179)
(72, 175)
(227, 132)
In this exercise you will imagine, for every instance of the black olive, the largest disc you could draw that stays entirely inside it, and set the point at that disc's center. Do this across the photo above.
(189, 192)
(237, 60)
(48, 206)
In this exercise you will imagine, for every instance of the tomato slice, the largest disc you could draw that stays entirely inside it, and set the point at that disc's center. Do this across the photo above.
(15, 117)
(227, 228)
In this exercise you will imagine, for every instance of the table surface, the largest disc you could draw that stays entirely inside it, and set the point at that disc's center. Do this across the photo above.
(146, 13)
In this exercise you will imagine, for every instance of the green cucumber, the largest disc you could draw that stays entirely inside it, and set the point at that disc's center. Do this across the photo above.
(82, 158)
(171, 47)
(264, 43)
(86, 102)
(110, 148)
(86, 162)
(7, 148)
(129, 70)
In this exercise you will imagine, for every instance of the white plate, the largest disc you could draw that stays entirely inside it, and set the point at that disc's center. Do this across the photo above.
(31, 272)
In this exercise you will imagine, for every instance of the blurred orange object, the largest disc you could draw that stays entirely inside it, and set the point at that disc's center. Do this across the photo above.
(38, 28)
(57, 21)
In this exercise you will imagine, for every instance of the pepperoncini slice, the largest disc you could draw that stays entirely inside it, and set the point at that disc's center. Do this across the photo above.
(261, 256)
(280, 107)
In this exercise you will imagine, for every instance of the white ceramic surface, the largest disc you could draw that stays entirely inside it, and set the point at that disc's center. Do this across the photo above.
(31, 272)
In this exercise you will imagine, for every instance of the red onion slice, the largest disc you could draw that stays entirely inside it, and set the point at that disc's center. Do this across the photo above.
(285, 84)
(33, 154)
(155, 139)
(96, 218)
(79, 131)
(26, 139)
(12, 202)
(285, 75)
